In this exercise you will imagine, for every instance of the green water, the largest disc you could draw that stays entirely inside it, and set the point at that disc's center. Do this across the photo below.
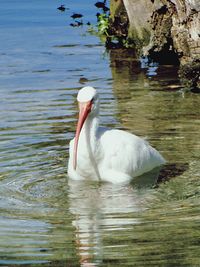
(48, 220)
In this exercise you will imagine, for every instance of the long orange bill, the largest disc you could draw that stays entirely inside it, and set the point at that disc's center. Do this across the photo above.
(84, 110)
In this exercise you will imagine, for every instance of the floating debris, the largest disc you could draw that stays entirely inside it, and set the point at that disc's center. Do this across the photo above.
(83, 80)
(61, 8)
(105, 9)
(77, 23)
(76, 16)
(100, 4)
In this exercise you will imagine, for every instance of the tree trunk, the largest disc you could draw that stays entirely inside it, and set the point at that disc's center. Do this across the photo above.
(167, 30)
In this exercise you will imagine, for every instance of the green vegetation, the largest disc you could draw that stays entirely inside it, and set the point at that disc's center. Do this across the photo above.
(112, 31)
(103, 24)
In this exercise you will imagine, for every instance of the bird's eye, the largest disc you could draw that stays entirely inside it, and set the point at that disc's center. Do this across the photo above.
(92, 100)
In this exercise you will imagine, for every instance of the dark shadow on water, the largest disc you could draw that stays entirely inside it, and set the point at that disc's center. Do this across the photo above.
(159, 175)
(172, 170)
(195, 90)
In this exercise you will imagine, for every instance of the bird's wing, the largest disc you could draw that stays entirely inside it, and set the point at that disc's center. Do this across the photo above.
(128, 152)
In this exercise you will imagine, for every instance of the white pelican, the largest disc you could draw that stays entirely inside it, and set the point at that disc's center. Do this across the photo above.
(99, 153)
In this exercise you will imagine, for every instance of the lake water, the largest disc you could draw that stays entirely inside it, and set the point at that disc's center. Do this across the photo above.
(48, 220)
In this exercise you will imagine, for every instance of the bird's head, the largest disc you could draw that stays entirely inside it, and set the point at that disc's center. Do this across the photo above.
(88, 99)
(88, 103)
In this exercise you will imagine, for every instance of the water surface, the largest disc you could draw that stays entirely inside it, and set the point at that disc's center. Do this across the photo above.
(47, 220)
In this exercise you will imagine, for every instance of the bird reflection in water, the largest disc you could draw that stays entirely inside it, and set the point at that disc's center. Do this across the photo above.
(101, 209)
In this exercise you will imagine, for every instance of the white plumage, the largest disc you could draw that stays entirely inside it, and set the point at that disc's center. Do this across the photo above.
(99, 153)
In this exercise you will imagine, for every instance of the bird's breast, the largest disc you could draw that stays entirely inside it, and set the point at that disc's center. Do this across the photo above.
(88, 158)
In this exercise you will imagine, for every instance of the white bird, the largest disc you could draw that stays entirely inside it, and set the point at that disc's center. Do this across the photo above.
(99, 153)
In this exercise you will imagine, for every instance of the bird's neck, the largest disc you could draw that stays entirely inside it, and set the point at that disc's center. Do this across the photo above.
(89, 131)
(90, 143)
